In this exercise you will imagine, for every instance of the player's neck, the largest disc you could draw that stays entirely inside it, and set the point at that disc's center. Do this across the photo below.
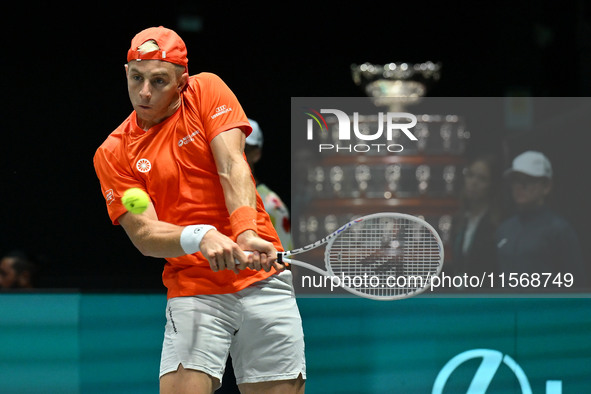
(147, 124)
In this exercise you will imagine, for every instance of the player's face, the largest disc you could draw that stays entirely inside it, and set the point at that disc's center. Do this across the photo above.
(154, 90)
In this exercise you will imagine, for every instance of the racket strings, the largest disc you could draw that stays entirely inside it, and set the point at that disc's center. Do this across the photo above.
(385, 257)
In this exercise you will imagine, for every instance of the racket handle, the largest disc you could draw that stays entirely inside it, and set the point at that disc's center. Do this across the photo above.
(246, 253)
(279, 257)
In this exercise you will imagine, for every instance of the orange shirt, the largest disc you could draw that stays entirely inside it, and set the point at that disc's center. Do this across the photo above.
(174, 164)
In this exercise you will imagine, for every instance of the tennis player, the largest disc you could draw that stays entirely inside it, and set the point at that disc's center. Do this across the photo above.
(183, 144)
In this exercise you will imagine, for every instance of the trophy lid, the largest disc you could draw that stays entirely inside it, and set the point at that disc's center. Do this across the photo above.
(396, 84)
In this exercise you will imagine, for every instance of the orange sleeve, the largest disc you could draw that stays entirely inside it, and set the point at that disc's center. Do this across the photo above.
(114, 181)
(220, 109)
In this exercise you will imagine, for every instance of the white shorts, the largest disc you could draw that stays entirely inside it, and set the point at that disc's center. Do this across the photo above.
(259, 326)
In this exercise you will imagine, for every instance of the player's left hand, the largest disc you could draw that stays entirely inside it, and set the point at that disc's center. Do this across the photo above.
(264, 254)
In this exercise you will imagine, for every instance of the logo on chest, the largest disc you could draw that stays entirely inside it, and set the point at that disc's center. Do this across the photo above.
(187, 139)
(143, 165)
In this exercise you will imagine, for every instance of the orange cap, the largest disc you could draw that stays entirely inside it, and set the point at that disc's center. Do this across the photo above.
(172, 47)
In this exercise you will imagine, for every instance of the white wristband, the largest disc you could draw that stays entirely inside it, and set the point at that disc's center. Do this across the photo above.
(191, 237)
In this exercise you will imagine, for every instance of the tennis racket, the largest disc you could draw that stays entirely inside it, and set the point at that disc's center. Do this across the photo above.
(382, 256)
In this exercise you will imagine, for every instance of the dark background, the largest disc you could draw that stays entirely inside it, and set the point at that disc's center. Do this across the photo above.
(64, 91)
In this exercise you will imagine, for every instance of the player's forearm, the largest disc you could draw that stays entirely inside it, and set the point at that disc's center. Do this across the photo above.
(152, 237)
(237, 182)
(239, 189)
(233, 170)
(163, 240)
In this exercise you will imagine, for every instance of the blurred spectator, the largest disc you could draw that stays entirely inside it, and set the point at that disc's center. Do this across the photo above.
(536, 240)
(274, 206)
(475, 225)
(17, 271)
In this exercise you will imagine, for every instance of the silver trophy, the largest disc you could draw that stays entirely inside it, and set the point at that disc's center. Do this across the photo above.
(316, 179)
(336, 177)
(423, 174)
(395, 85)
(392, 173)
(449, 177)
(363, 177)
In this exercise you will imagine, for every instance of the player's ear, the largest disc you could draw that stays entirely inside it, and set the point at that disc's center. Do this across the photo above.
(126, 69)
(183, 80)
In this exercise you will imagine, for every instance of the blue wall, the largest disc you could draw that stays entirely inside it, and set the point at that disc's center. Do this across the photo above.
(91, 343)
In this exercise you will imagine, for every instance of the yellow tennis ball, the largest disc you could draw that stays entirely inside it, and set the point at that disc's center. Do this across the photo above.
(135, 200)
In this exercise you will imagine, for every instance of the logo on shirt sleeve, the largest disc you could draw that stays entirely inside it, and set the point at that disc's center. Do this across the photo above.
(109, 196)
(220, 111)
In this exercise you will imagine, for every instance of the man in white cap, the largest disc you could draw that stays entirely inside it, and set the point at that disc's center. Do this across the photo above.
(274, 206)
(537, 240)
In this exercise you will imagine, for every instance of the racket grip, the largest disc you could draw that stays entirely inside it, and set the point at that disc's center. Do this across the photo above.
(279, 257)
(246, 253)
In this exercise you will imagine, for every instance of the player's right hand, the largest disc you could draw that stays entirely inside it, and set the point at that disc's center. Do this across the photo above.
(223, 253)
